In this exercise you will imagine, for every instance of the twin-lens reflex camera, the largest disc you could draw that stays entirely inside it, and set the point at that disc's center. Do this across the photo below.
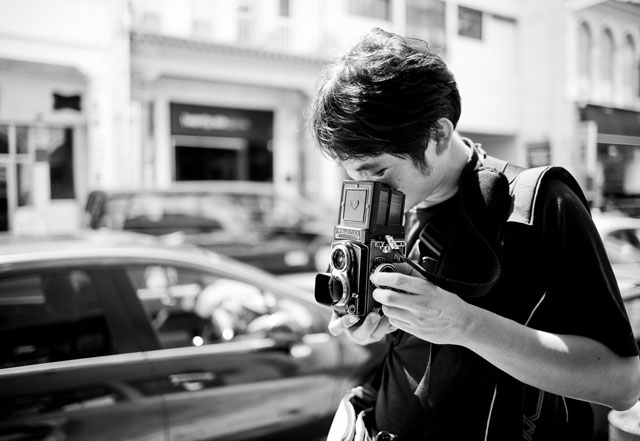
(369, 237)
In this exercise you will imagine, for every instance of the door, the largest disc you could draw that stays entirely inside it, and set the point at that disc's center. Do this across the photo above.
(69, 366)
(239, 360)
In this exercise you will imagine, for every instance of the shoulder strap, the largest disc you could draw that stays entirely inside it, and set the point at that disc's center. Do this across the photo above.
(524, 185)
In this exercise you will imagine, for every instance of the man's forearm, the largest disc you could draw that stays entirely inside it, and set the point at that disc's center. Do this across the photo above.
(568, 365)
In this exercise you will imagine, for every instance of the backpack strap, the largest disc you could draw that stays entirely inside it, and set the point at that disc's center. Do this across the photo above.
(524, 186)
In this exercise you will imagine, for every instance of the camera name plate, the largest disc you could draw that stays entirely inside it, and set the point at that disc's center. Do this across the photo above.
(347, 233)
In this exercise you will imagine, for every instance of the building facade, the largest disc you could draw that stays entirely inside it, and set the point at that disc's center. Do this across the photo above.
(606, 100)
(144, 93)
(64, 108)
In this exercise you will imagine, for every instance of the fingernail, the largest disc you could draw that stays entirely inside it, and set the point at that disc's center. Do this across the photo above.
(374, 318)
(352, 319)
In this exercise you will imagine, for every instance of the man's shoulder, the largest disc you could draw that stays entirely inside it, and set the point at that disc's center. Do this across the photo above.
(534, 188)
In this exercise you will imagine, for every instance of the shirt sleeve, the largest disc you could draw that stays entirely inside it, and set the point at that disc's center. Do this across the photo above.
(583, 295)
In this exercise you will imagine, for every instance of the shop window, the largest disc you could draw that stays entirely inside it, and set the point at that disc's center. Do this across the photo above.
(469, 23)
(213, 143)
(380, 9)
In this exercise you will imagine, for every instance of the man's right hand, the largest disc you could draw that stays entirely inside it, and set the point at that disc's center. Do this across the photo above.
(370, 330)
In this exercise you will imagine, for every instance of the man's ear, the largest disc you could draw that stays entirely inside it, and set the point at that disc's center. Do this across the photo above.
(443, 135)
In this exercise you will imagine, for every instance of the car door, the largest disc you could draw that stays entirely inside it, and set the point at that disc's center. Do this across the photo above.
(239, 361)
(70, 364)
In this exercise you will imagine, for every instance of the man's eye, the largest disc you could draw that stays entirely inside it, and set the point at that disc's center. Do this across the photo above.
(380, 172)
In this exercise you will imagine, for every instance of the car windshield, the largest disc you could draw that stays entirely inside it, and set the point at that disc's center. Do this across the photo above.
(198, 213)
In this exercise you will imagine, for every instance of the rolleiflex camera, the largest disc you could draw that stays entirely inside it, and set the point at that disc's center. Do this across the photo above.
(368, 238)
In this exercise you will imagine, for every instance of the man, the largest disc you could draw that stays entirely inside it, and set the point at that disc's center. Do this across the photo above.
(521, 362)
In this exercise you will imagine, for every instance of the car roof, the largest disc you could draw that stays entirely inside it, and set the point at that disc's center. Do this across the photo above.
(19, 253)
(610, 222)
(197, 187)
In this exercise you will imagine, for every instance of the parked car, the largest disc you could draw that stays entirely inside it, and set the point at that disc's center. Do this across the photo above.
(244, 220)
(107, 337)
(621, 237)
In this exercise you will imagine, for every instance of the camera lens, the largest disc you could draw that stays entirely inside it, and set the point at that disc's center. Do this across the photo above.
(340, 259)
(339, 289)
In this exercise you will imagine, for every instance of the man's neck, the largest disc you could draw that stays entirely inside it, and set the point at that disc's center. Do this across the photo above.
(458, 155)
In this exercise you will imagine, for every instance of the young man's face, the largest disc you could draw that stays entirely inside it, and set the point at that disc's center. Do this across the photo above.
(398, 173)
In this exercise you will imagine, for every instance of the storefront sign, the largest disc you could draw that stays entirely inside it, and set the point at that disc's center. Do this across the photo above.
(188, 119)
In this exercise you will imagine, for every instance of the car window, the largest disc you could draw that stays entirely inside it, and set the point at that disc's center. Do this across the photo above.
(190, 308)
(51, 317)
(623, 246)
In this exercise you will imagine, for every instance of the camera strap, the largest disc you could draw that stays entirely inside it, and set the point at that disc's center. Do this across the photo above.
(457, 241)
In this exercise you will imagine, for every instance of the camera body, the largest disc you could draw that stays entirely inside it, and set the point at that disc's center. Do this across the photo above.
(368, 236)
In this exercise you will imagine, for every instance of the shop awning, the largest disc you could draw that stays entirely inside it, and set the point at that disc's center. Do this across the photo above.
(619, 122)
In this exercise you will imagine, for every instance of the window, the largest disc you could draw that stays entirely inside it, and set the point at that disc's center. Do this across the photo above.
(585, 51)
(22, 139)
(469, 23)
(607, 60)
(61, 163)
(380, 9)
(51, 317)
(285, 8)
(426, 21)
(189, 308)
(4, 139)
(629, 67)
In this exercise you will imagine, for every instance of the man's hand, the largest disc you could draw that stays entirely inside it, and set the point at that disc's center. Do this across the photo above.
(370, 329)
(419, 307)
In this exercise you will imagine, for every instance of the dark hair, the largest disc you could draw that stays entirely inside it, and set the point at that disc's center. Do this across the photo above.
(383, 96)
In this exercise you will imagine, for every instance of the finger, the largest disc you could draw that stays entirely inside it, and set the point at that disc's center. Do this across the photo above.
(383, 328)
(391, 297)
(400, 282)
(339, 324)
(405, 268)
(367, 327)
(401, 314)
(401, 324)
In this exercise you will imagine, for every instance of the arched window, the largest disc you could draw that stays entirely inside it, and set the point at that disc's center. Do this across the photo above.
(585, 51)
(607, 62)
(629, 69)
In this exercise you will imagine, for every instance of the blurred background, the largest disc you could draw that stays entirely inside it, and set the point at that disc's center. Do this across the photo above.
(143, 94)
(186, 120)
